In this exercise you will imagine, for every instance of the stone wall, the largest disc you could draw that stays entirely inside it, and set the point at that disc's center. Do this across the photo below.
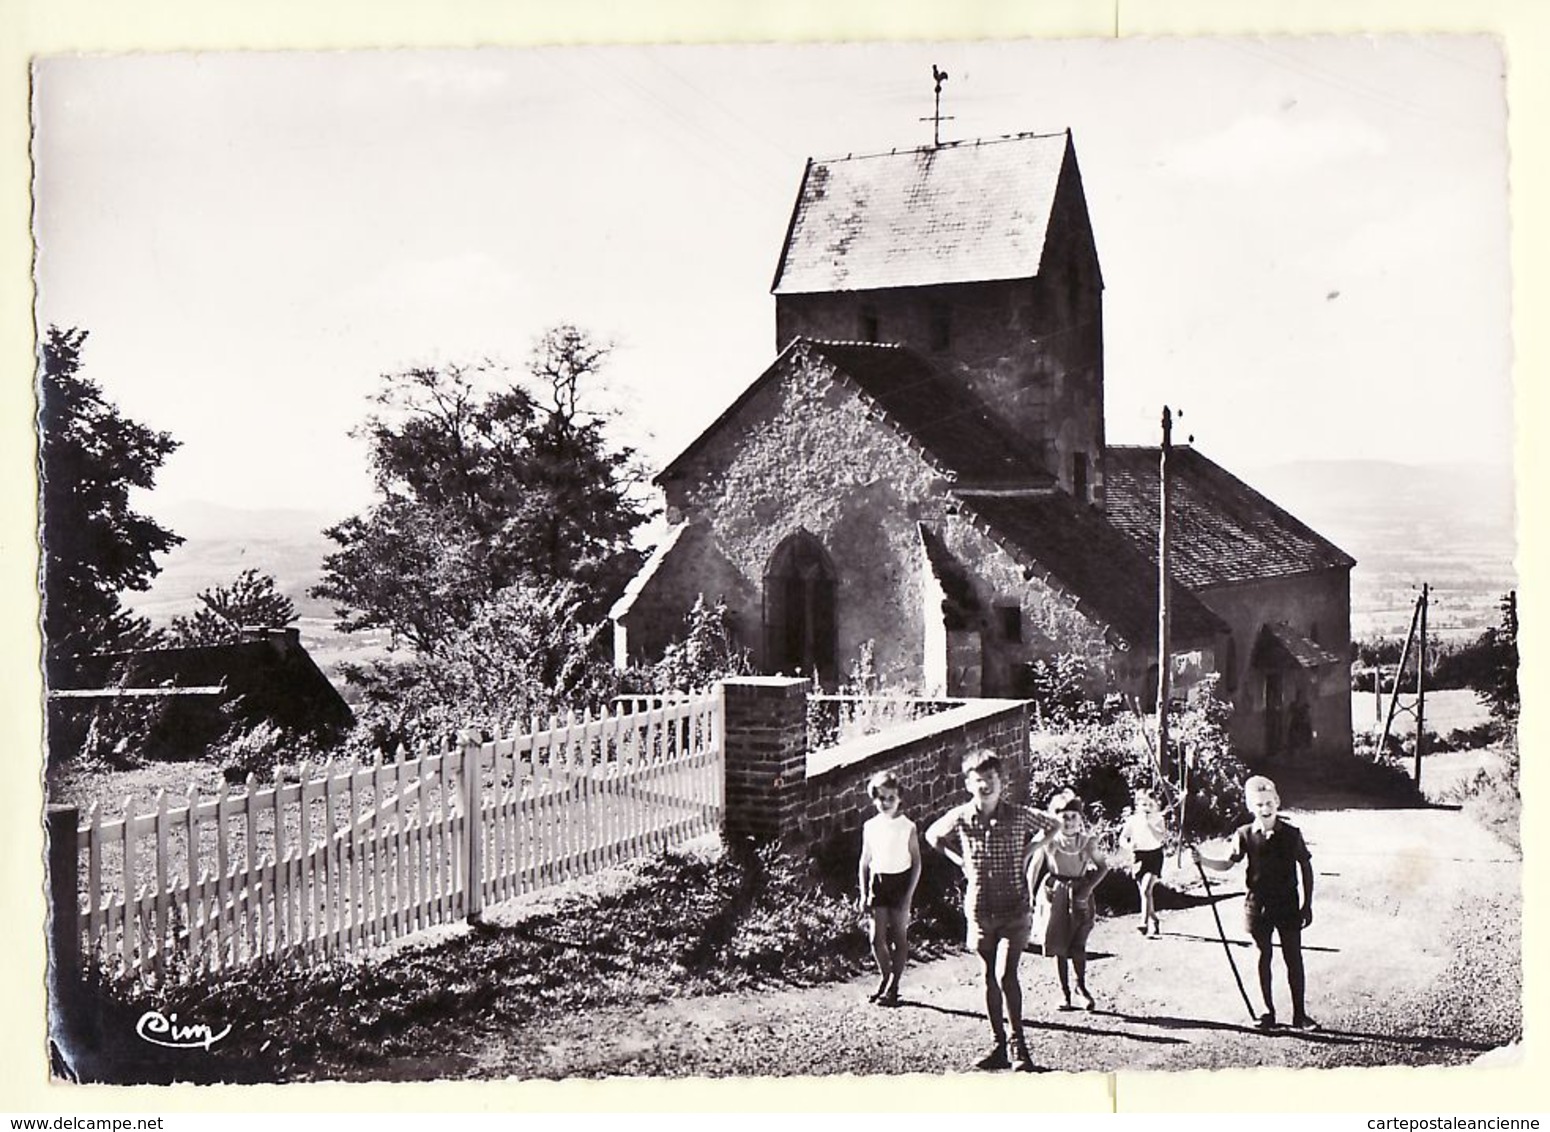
(1051, 623)
(777, 790)
(927, 757)
(1316, 606)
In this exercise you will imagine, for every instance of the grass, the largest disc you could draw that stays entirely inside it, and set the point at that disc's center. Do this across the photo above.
(82, 785)
(1449, 712)
(1468, 761)
(1486, 784)
(677, 924)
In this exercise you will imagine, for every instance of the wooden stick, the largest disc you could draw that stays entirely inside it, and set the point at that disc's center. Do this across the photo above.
(1226, 947)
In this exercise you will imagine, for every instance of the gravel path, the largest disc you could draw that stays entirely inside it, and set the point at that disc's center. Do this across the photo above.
(1414, 958)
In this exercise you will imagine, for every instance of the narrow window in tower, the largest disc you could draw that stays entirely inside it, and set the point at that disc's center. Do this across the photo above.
(1079, 476)
(869, 326)
(941, 329)
(1011, 621)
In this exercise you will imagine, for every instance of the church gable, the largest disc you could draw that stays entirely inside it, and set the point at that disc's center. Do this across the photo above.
(958, 436)
(807, 453)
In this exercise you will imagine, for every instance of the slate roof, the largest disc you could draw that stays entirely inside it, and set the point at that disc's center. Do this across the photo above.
(1221, 530)
(965, 212)
(1094, 562)
(953, 428)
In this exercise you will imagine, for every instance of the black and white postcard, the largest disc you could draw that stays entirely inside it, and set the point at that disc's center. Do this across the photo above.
(751, 561)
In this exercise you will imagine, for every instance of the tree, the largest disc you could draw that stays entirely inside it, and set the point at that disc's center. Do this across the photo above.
(95, 545)
(1499, 684)
(251, 599)
(527, 652)
(483, 485)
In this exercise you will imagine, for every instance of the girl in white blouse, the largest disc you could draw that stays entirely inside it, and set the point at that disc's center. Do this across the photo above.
(889, 872)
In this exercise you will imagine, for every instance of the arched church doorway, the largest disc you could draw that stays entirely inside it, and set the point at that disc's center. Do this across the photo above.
(799, 609)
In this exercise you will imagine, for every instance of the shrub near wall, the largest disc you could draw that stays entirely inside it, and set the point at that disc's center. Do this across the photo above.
(1106, 756)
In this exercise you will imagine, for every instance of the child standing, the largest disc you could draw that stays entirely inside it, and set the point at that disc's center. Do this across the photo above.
(1144, 834)
(992, 841)
(889, 872)
(1277, 856)
(1073, 867)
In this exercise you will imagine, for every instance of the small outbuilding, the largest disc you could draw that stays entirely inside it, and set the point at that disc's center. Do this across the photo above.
(189, 697)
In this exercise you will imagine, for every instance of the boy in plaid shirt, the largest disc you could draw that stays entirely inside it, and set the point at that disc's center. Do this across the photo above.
(993, 841)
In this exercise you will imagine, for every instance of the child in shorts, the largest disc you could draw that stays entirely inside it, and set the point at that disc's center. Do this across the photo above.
(992, 840)
(1277, 856)
(889, 872)
(1144, 833)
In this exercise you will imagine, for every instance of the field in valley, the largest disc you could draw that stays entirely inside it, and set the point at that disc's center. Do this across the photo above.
(1452, 527)
(1449, 526)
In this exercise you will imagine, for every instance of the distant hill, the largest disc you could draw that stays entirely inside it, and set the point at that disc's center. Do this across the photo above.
(1449, 525)
(220, 542)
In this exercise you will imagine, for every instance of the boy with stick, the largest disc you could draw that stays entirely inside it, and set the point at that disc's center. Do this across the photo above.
(1277, 856)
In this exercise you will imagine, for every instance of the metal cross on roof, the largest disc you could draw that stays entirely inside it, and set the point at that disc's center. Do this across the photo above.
(937, 119)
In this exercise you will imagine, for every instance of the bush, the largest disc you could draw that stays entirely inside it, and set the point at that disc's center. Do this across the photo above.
(708, 651)
(1059, 691)
(124, 732)
(1106, 758)
(261, 751)
(1493, 799)
(527, 652)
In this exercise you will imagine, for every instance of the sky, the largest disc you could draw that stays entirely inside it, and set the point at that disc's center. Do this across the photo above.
(1304, 242)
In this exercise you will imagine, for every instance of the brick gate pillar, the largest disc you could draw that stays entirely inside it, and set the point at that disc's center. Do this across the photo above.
(766, 754)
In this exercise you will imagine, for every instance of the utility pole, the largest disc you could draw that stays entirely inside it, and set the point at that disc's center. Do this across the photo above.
(1399, 676)
(1417, 638)
(1163, 639)
(1420, 688)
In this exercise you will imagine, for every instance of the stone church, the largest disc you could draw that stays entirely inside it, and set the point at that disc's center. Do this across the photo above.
(923, 467)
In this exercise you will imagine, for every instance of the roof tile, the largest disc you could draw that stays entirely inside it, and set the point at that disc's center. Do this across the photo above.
(1221, 530)
(955, 428)
(1096, 563)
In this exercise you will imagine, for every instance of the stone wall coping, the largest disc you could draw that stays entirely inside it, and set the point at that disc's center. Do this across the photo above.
(785, 684)
(865, 746)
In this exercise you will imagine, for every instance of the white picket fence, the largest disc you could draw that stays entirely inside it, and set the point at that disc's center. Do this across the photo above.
(353, 856)
(579, 796)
